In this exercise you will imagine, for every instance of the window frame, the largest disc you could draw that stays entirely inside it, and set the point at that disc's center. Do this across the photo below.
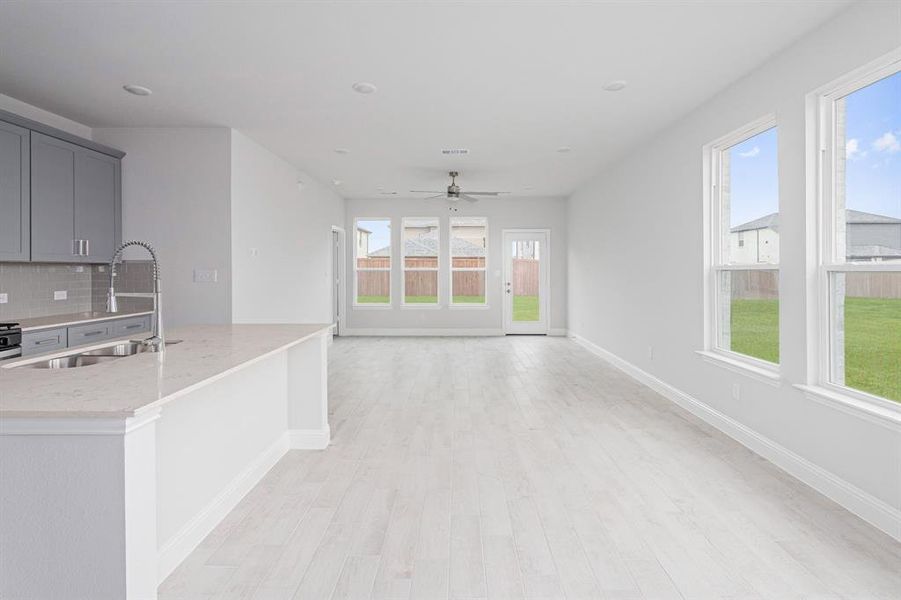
(404, 269)
(828, 260)
(357, 269)
(715, 243)
(450, 263)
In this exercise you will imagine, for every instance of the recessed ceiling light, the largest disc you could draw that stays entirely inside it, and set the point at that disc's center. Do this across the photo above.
(454, 151)
(394, 193)
(364, 87)
(615, 85)
(342, 151)
(564, 149)
(529, 187)
(336, 181)
(137, 90)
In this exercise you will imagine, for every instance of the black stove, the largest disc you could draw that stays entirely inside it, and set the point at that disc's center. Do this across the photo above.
(10, 340)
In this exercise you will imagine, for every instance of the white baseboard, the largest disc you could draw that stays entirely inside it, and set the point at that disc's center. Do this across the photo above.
(423, 332)
(864, 505)
(185, 541)
(558, 331)
(309, 439)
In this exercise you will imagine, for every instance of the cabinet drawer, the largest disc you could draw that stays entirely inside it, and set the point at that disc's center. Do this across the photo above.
(90, 333)
(131, 326)
(46, 340)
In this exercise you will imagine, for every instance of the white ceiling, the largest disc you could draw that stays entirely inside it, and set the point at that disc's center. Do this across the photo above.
(510, 81)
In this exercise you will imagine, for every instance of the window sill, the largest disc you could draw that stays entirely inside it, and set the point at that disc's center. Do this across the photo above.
(876, 410)
(371, 306)
(417, 306)
(468, 306)
(763, 374)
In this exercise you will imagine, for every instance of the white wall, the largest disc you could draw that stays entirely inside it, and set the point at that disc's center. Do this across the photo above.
(281, 239)
(635, 258)
(176, 189)
(502, 213)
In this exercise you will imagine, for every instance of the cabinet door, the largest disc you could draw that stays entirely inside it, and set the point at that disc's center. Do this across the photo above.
(52, 200)
(97, 204)
(15, 195)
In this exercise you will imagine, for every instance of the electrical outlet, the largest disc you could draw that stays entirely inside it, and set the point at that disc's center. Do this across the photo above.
(4, 298)
(254, 251)
(206, 275)
(60, 295)
(651, 352)
(736, 391)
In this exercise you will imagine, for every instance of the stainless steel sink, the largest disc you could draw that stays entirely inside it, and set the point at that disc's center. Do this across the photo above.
(123, 349)
(91, 357)
(69, 362)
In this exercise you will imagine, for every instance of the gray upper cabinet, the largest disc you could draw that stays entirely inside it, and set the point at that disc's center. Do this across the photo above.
(75, 202)
(97, 206)
(15, 194)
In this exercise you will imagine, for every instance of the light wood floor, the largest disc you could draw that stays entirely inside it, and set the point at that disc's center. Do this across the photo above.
(526, 468)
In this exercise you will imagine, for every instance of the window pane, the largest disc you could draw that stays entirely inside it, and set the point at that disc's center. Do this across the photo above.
(421, 287)
(421, 237)
(468, 287)
(373, 287)
(866, 332)
(373, 239)
(868, 173)
(469, 237)
(750, 201)
(749, 313)
(525, 283)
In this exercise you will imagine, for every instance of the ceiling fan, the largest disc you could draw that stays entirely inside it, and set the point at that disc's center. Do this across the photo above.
(454, 193)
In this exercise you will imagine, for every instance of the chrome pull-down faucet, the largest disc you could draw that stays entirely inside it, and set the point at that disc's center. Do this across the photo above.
(156, 342)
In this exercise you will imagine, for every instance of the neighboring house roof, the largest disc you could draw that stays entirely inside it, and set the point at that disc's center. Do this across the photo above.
(768, 222)
(428, 246)
(858, 217)
(363, 230)
(873, 252)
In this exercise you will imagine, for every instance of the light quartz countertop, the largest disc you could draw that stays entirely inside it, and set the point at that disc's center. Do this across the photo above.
(130, 385)
(69, 320)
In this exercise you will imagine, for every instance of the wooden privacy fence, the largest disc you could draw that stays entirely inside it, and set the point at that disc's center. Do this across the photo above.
(525, 276)
(764, 285)
(425, 283)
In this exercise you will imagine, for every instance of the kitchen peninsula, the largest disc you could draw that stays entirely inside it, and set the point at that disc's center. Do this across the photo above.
(114, 472)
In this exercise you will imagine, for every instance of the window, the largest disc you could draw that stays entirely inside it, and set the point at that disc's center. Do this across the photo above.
(372, 262)
(743, 304)
(469, 260)
(860, 272)
(421, 241)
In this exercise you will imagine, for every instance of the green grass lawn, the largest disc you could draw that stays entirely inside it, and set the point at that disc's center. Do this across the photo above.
(469, 300)
(421, 299)
(872, 340)
(525, 308)
(372, 299)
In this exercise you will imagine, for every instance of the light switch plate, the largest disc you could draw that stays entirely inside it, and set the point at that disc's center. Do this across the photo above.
(206, 275)
(60, 295)
(4, 298)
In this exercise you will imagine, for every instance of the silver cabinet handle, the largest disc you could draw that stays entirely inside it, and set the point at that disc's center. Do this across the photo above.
(47, 341)
(135, 326)
(87, 247)
(91, 333)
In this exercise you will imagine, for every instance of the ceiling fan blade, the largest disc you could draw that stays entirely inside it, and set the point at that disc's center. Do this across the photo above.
(427, 192)
(469, 198)
(485, 193)
(441, 195)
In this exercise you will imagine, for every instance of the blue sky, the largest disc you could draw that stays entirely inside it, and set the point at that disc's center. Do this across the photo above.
(873, 149)
(754, 178)
(381, 233)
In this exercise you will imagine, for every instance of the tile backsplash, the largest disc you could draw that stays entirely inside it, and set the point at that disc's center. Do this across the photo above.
(30, 288)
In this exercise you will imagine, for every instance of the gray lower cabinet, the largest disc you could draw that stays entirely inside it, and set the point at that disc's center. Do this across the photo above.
(90, 333)
(15, 194)
(45, 340)
(75, 202)
(130, 326)
(49, 340)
